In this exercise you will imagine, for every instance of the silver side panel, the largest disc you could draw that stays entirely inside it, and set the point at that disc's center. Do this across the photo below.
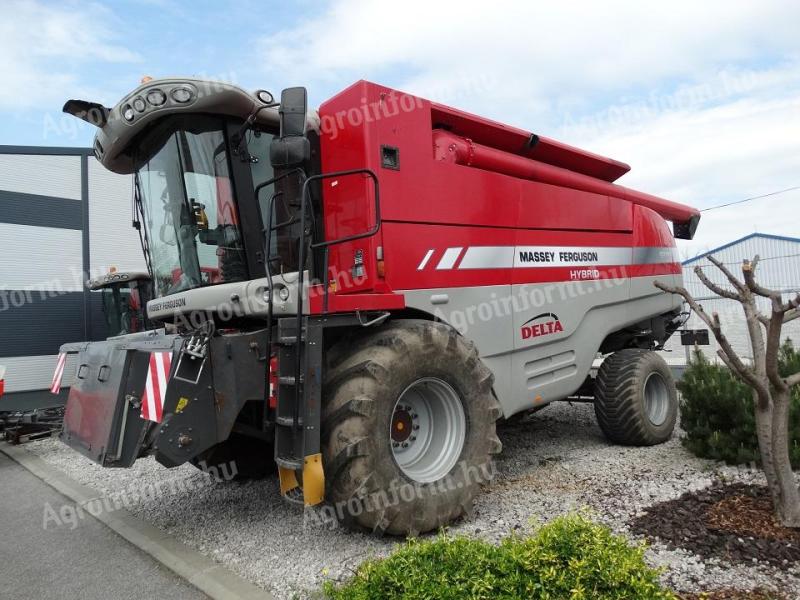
(540, 339)
(238, 299)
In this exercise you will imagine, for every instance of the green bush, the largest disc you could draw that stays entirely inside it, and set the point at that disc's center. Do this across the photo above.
(717, 411)
(570, 558)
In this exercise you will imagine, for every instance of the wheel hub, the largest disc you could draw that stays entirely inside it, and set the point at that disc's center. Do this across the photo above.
(656, 399)
(427, 430)
(402, 424)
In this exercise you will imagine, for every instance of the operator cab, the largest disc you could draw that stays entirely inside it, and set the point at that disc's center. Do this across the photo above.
(202, 156)
(124, 299)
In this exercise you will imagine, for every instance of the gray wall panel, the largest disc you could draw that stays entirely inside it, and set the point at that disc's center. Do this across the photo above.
(25, 373)
(41, 211)
(41, 258)
(112, 240)
(41, 324)
(58, 176)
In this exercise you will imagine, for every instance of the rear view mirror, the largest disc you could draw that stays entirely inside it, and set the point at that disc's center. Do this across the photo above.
(292, 148)
(294, 104)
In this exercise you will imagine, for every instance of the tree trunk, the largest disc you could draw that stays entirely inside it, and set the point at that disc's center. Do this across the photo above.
(764, 433)
(771, 392)
(788, 507)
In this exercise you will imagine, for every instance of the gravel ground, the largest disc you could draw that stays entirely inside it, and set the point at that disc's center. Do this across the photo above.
(552, 462)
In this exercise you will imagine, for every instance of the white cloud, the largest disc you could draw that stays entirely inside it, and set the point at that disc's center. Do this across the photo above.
(714, 153)
(533, 53)
(701, 98)
(45, 47)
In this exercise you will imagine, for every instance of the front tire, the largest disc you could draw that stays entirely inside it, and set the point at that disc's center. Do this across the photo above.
(636, 402)
(408, 428)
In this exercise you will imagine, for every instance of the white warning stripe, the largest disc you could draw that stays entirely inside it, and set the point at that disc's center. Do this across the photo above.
(156, 386)
(449, 258)
(55, 385)
(425, 259)
(149, 400)
(507, 257)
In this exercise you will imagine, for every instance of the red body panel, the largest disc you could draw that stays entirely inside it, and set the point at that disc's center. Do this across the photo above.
(452, 192)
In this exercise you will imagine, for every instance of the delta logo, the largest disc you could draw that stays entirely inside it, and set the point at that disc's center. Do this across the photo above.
(543, 324)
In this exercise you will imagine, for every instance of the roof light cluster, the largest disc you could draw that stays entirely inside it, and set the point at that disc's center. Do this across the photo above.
(156, 98)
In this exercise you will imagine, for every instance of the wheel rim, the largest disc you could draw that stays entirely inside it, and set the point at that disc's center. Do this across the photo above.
(427, 430)
(656, 399)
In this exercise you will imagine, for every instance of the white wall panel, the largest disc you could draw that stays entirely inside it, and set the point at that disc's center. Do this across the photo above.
(46, 175)
(112, 240)
(25, 373)
(779, 269)
(40, 258)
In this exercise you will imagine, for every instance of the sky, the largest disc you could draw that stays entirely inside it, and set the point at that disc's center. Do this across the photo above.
(702, 99)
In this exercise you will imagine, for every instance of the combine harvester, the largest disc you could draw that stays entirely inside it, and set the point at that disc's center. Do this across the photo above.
(354, 296)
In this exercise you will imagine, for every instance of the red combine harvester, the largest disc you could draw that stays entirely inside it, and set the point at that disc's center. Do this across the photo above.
(354, 296)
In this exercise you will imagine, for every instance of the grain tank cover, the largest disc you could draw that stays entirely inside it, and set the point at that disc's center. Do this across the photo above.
(526, 144)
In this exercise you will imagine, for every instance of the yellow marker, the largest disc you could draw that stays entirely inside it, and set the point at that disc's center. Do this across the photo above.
(288, 480)
(537, 399)
(313, 480)
(182, 402)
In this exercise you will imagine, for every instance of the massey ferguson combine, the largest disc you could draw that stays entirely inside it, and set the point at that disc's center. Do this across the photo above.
(354, 296)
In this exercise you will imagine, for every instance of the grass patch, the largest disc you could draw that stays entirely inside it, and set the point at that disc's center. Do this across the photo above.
(570, 558)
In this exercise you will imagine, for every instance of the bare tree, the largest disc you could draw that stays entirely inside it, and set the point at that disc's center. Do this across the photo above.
(771, 392)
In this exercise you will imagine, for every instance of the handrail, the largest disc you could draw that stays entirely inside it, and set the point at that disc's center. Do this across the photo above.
(328, 243)
(324, 244)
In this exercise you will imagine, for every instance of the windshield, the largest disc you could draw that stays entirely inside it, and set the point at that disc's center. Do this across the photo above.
(190, 219)
(123, 308)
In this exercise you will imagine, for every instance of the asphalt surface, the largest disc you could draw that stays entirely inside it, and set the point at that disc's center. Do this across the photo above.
(88, 561)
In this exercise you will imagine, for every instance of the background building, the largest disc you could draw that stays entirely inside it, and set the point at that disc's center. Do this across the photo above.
(779, 269)
(62, 217)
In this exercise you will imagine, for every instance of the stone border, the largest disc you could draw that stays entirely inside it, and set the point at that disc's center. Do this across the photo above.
(203, 573)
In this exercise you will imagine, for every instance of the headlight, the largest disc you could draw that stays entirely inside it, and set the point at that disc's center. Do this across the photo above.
(139, 104)
(182, 95)
(283, 293)
(265, 96)
(156, 97)
(127, 113)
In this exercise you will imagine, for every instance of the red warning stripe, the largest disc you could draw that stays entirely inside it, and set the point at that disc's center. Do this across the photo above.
(156, 386)
(55, 385)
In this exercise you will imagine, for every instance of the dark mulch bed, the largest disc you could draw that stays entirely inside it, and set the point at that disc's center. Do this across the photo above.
(733, 595)
(732, 522)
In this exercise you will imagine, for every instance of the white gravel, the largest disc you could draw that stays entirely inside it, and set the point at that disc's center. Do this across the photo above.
(552, 462)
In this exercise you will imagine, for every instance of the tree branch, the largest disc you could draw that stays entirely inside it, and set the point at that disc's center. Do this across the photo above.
(792, 305)
(731, 277)
(793, 380)
(791, 315)
(774, 324)
(718, 290)
(732, 359)
(749, 271)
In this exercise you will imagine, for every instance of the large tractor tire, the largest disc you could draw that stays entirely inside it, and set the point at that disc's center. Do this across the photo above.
(408, 428)
(635, 398)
